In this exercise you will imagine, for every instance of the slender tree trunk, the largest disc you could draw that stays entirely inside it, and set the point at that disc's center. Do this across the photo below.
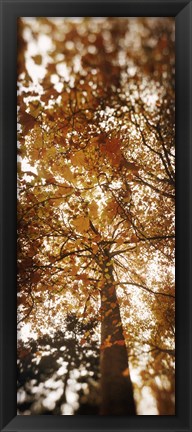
(116, 386)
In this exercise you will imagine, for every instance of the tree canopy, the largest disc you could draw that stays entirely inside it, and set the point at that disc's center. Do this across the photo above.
(96, 140)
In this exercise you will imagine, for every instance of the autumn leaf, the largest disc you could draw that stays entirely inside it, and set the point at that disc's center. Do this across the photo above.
(23, 353)
(108, 312)
(126, 372)
(111, 290)
(78, 158)
(120, 241)
(27, 121)
(83, 277)
(130, 166)
(81, 223)
(74, 270)
(19, 167)
(93, 208)
(35, 108)
(67, 174)
(120, 342)
(83, 341)
(134, 239)
(95, 249)
(37, 59)
(35, 278)
(50, 179)
(107, 343)
(111, 146)
(34, 156)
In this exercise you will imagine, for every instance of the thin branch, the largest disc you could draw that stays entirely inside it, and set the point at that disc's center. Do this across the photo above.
(145, 288)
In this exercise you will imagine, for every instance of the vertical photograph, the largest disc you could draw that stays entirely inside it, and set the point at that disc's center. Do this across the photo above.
(96, 216)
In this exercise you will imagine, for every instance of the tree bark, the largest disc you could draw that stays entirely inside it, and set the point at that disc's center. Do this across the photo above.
(116, 386)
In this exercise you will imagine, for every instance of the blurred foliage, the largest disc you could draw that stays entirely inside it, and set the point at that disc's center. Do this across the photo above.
(47, 364)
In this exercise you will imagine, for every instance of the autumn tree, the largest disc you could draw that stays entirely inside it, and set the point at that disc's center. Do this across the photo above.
(96, 193)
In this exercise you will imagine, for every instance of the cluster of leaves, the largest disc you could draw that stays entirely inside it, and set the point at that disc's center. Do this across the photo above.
(96, 177)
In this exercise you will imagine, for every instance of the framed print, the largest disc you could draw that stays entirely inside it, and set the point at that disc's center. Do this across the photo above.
(103, 101)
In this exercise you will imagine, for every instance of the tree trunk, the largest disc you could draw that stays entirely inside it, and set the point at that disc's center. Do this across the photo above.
(116, 386)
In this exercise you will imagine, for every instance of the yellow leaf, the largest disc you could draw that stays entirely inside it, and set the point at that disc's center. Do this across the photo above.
(18, 167)
(35, 108)
(40, 212)
(38, 141)
(34, 155)
(78, 158)
(120, 241)
(67, 174)
(95, 249)
(51, 152)
(74, 270)
(81, 223)
(101, 283)
(58, 201)
(93, 208)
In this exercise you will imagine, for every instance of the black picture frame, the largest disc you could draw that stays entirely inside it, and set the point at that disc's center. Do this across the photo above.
(182, 11)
